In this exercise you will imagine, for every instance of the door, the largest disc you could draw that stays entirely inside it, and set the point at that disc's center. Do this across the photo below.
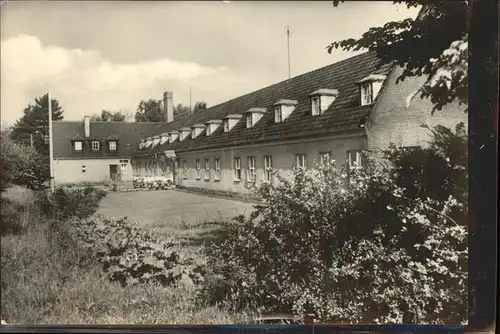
(113, 172)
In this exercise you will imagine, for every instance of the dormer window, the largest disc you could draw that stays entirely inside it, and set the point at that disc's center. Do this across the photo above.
(212, 125)
(315, 105)
(141, 144)
(173, 136)
(369, 88)
(78, 145)
(231, 120)
(249, 120)
(163, 138)
(156, 140)
(366, 94)
(95, 145)
(184, 132)
(283, 109)
(112, 145)
(277, 114)
(197, 129)
(254, 115)
(322, 99)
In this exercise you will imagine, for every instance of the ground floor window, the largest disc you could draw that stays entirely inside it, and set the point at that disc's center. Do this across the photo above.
(207, 169)
(237, 169)
(300, 160)
(354, 159)
(198, 169)
(251, 168)
(123, 169)
(217, 168)
(184, 169)
(268, 167)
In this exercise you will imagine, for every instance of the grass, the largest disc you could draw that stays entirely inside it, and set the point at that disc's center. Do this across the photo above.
(47, 278)
(175, 214)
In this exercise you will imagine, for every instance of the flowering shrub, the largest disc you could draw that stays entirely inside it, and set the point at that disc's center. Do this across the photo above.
(131, 256)
(153, 182)
(351, 248)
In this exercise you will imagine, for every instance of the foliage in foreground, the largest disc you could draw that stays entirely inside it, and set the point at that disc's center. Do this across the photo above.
(66, 203)
(355, 249)
(434, 44)
(132, 256)
(21, 165)
(47, 278)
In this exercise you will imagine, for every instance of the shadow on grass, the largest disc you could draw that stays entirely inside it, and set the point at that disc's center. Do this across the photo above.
(216, 234)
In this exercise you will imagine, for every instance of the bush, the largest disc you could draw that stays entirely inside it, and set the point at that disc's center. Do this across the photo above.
(66, 203)
(153, 183)
(48, 278)
(131, 256)
(21, 165)
(13, 215)
(352, 248)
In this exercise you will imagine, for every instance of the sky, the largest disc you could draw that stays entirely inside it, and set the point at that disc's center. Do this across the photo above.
(110, 55)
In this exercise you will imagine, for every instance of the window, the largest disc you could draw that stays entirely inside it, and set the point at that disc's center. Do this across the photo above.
(184, 169)
(78, 146)
(198, 169)
(249, 120)
(123, 169)
(237, 169)
(277, 114)
(217, 168)
(315, 106)
(300, 160)
(226, 125)
(354, 159)
(84, 169)
(366, 94)
(95, 146)
(325, 157)
(251, 168)
(268, 166)
(207, 169)
(112, 145)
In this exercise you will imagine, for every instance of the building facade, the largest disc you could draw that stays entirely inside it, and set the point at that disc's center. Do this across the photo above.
(330, 113)
(89, 151)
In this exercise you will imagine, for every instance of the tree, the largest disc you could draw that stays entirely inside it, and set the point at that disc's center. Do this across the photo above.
(200, 107)
(109, 116)
(435, 45)
(21, 165)
(149, 111)
(181, 111)
(35, 122)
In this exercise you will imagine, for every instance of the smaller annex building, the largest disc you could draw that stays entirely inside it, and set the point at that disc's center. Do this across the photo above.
(87, 151)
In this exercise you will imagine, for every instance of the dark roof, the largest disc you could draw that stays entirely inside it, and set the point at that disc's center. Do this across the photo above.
(345, 113)
(127, 134)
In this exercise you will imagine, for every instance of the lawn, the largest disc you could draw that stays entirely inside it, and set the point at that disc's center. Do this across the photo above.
(173, 213)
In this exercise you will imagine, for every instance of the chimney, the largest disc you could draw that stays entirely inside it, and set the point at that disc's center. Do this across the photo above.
(168, 106)
(87, 126)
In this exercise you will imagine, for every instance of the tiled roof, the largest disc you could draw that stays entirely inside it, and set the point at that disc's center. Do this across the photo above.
(127, 134)
(344, 114)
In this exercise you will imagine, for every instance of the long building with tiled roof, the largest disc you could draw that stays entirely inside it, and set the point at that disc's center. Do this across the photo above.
(333, 112)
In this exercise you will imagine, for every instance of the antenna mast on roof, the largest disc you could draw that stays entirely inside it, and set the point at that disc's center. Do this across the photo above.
(288, 47)
(190, 105)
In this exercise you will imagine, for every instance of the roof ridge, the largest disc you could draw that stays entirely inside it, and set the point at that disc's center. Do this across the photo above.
(71, 121)
(292, 78)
